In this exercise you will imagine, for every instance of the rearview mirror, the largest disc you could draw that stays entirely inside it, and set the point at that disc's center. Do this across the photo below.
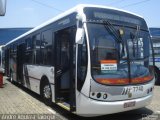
(79, 35)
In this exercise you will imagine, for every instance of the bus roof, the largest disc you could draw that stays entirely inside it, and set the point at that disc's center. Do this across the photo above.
(78, 9)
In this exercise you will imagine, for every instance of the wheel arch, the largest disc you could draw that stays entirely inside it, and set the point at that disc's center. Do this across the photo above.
(43, 80)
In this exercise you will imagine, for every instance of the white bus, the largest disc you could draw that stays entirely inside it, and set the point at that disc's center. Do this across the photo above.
(91, 60)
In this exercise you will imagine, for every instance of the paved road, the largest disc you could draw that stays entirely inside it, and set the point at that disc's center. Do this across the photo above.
(17, 100)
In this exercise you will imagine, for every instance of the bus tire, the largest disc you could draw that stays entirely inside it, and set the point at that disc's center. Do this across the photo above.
(157, 76)
(46, 92)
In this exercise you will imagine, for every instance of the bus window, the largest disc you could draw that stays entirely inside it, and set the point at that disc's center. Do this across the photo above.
(105, 50)
(29, 44)
(47, 47)
(36, 42)
(29, 51)
(108, 62)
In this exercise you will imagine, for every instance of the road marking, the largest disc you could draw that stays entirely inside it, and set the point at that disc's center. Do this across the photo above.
(51, 111)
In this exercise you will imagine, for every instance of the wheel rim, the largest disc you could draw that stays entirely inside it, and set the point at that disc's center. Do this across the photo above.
(47, 92)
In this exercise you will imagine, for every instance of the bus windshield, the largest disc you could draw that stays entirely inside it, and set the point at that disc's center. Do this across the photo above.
(120, 61)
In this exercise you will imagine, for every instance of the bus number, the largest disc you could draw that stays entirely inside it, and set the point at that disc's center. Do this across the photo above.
(132, 89)
(137, 88)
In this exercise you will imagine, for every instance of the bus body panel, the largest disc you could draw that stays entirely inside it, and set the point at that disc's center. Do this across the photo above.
(35, 85)
(85, 89)
(115, 93)
(53, 92)
(35, 74)
(89, 107)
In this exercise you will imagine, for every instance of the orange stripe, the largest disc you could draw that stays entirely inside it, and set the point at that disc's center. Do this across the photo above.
(142, 79)
(119, 81)
(108, 61)
(113, 81)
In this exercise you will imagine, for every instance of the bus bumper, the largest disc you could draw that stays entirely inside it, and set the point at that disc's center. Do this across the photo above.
(88, 107)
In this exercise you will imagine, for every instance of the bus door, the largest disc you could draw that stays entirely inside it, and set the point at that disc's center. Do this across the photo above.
(64, 68)
(20, 62)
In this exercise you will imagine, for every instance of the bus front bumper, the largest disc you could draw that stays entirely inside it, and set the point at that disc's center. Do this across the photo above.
(88, 107)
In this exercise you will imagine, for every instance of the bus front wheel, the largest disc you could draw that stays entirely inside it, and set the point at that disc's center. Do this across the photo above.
(46, 93)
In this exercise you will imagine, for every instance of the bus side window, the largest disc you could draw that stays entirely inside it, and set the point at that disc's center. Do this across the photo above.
(82, 64)
(47, 47)
(36, 42)
(29, 51)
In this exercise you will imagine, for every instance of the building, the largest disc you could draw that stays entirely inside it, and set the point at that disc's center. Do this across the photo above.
(155, 31)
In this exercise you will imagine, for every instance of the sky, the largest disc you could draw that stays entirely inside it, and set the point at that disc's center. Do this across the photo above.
(31, 13)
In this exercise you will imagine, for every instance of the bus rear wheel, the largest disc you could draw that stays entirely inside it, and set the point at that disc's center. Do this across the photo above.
(157, 77)
(47, 94)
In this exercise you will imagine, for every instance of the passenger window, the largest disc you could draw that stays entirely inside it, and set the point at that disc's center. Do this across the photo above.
(47, 48)
(29, 56)
(29, 44)
(36, 41)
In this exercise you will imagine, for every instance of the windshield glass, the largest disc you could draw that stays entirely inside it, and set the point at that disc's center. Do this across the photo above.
(120, 61)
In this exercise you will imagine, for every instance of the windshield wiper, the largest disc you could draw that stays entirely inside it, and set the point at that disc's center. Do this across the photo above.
(137, 37)
(109, 27)
(112, 30)
(134, 38)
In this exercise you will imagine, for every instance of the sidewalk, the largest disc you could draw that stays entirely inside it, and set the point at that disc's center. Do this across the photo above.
(16, 101)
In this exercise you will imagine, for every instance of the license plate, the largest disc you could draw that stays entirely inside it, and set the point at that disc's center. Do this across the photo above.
(129, 104)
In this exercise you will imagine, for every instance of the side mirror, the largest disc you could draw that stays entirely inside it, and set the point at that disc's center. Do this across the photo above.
(79, 35)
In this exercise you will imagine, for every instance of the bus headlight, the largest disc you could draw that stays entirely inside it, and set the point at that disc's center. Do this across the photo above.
(99, 95)
(105, 96)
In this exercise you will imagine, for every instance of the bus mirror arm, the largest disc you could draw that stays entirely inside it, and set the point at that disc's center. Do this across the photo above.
(79, 35)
